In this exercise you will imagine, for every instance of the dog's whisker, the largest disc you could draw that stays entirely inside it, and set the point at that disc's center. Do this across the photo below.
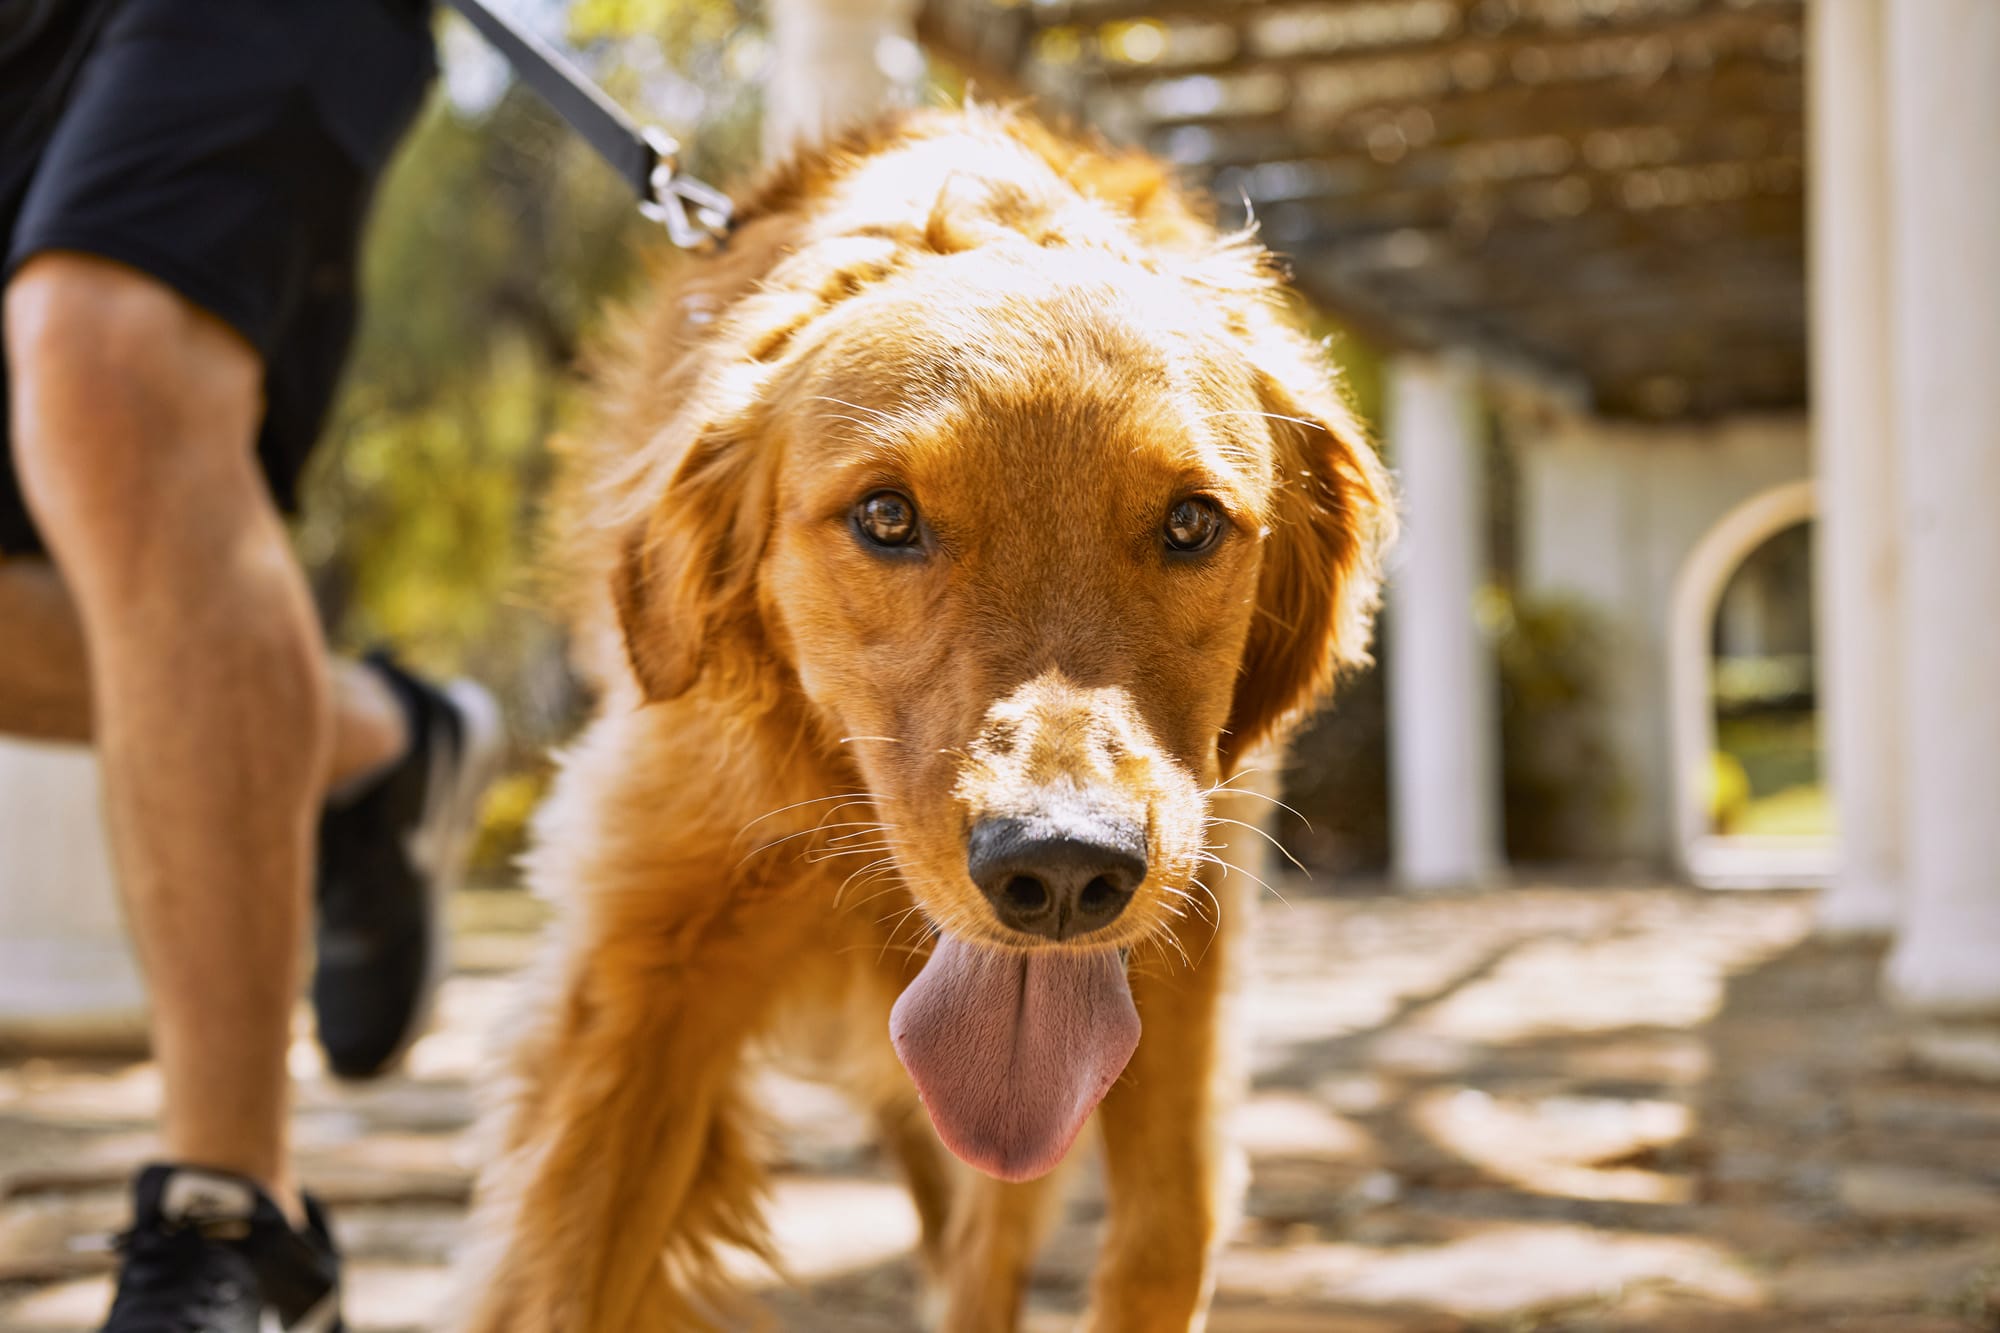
(1215, 922)
(886, 740)
(853, 794)
(822, 859)
(835, 853)
(1213, 935)
(1159, 942)
(1195, 903)
(894, 929)
(806, 833)
(872, 873)
(1228, 868)
(826, 821)
(1215, 903)
(1282, 849)
(879, 863)
(876, 896)
(879, 828)
(849, 841)
(1224, 789)
(900, 918)
(796, 805)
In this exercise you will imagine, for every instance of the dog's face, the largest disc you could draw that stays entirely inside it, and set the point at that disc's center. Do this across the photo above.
(1046, 539)
(1044, 522)
(1016, 554)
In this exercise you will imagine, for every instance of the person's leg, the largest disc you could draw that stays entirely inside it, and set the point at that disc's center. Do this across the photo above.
(134, 416)
(45, 684)
(44, 690)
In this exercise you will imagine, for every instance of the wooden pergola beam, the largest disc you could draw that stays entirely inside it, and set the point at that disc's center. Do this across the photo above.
(1618, 201)
(1726, 30)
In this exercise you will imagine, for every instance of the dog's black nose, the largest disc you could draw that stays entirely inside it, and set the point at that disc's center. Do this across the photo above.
(1057, 878)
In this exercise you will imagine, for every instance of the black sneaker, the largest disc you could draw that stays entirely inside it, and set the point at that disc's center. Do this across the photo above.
(388, 858)
(209, 1252)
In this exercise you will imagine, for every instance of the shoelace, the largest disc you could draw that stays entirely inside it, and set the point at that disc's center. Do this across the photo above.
(174, 1280)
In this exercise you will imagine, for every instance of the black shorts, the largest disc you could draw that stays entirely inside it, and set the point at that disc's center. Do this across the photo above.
(228, 148)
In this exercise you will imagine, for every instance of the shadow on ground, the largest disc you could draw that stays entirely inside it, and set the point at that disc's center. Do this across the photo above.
(1631, 1110)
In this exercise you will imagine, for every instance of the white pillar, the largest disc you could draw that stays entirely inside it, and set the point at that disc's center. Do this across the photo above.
(1944, 94)
(1854, 458)
(1444, 786)
(835, 63)
(67, 980)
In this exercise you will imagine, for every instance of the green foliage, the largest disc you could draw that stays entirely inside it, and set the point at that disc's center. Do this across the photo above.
(497, 244)
(493, 249)
(1359, 364)
(685, 30)
(1561, 786)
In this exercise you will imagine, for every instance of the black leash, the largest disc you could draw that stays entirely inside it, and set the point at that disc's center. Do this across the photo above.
(694, 212)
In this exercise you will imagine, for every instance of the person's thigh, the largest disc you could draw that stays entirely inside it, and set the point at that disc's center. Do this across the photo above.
(226, 150)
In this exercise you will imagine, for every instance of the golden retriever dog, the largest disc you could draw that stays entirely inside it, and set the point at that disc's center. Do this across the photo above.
(947, 544)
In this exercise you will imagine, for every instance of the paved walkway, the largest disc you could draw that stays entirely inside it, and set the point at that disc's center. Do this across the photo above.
(1640, 1111)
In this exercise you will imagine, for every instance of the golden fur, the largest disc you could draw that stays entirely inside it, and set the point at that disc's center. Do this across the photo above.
(754, 840)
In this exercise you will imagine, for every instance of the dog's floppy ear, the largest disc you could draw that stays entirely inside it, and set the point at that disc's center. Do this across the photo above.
(686, 582)
(1331, 519)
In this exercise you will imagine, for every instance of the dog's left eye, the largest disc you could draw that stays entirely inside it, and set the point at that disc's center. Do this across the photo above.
(887, 518)
(1193, 524)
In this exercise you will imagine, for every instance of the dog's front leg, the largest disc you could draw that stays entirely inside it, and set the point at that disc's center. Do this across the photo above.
(625, 1159)
(990, 1244)
(1174, 1179)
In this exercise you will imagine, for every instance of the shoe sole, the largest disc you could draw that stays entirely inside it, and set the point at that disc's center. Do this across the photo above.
(448, 829)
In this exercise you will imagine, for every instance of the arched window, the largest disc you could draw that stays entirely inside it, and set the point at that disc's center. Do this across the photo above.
(1765, 774)
(1751, 805)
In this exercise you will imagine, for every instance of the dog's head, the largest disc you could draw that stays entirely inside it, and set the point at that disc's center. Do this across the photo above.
(1045, 511)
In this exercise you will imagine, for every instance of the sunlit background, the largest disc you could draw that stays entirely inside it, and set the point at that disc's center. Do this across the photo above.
(1572, 1015)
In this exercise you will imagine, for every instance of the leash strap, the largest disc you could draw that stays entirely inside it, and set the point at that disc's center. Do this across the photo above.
(693, 212)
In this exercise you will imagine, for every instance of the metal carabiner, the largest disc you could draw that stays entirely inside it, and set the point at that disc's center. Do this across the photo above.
(694, 212)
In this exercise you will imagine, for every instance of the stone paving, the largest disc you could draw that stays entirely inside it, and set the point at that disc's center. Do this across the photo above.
(1626, 1109)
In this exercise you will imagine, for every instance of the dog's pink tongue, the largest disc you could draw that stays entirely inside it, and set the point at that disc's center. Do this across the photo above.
(1011, 1052)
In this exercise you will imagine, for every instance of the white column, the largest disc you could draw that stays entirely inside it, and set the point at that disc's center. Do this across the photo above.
(835, 63)
(1858, 613)
(67, 980)
(1444, 785)
(1944, 94)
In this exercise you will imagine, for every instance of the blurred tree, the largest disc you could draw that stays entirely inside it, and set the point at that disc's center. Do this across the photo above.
(1562, 791)
(497, 243)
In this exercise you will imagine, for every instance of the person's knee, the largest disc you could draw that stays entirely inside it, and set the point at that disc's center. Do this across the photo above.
(115, 376)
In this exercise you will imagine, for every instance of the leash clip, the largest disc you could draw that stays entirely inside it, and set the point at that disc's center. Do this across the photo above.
(694, 212)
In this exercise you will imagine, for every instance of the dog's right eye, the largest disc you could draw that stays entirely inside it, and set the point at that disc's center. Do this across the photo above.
(887, 518)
